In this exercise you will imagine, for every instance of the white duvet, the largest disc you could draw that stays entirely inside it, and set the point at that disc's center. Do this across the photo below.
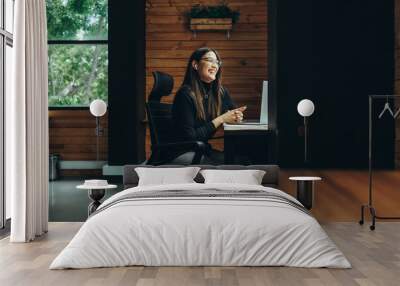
(194, 231)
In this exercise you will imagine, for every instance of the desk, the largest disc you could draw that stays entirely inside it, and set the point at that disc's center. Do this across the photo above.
(250, 146)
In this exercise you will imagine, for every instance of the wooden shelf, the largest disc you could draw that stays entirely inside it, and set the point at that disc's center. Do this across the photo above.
(211, 24)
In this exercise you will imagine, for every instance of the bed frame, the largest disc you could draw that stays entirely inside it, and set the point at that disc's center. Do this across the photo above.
(270, 179)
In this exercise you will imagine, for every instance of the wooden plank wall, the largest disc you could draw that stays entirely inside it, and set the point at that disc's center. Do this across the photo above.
(169, 44)
(72, 136)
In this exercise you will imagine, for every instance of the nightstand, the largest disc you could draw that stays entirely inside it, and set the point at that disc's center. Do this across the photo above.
(95, 193)
(305, 190)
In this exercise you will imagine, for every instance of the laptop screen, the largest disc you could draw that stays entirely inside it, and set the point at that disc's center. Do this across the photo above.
(264, 103)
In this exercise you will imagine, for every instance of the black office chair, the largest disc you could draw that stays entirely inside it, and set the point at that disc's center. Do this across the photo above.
(164, 148)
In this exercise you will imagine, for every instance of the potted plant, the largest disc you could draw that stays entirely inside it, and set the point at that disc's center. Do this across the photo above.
(219, 17)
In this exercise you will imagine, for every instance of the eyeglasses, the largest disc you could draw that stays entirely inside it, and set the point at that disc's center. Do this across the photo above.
(212, 61)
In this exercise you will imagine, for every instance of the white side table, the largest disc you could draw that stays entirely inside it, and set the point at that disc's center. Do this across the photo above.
(95, 194)
(305, 190)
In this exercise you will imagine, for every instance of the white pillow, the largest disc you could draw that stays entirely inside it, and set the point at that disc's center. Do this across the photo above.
(164, 176)
(248, 177)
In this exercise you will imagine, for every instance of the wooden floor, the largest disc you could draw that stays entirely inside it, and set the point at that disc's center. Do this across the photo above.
(375, 257)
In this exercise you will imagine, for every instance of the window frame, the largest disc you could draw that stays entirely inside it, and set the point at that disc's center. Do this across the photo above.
(75, 42)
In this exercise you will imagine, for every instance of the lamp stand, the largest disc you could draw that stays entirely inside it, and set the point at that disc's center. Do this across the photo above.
(97, 137)
(305, 139)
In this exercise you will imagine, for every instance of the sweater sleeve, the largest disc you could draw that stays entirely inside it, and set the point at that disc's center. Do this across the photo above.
(184, 116)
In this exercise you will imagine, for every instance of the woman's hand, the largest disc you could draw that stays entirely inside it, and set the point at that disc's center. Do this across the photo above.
(230, 117)
(239, 113)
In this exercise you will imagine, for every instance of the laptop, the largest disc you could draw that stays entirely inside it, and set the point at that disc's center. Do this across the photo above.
(263, 111)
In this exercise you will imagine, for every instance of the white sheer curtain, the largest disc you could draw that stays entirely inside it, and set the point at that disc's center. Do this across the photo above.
(27, 122)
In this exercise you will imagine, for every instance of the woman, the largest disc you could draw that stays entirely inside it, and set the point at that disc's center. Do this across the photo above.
(202, 104)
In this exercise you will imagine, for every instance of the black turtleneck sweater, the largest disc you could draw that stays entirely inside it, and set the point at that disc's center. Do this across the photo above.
(188, 126)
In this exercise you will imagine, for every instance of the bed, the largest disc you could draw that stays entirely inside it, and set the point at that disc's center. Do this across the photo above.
(197, 224)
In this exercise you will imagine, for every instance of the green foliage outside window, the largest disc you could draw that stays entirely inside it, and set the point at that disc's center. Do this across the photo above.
(78, 73)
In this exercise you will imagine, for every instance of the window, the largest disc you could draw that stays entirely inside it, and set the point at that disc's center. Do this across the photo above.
(78, 51)
(6, 62)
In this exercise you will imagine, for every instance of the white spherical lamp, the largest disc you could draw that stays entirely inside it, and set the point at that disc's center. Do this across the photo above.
(98, 107)
(305, 107)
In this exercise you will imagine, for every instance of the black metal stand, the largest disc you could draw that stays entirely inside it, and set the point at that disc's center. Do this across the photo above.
(95, 195)
(370, 206)
(99, 132)
(374, 216)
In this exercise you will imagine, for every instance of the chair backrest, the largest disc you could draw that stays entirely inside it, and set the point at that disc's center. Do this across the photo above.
(160, 114)
(160, 122)
(163, 85)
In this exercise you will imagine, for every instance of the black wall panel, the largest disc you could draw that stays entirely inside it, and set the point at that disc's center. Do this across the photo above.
(126, 82)
(335, 53)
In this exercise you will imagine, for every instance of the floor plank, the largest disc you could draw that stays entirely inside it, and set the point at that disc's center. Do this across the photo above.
(375, 257)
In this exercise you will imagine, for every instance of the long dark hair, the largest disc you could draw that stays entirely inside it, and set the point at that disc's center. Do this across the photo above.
(192, 79)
